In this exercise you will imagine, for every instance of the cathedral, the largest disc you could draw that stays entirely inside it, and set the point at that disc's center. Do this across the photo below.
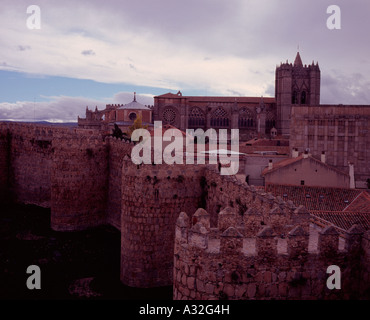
(296, 84)
(295, 113)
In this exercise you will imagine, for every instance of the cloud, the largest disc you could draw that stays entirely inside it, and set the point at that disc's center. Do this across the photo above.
(63, 108)
(6, 66)
(340, 88)
(24, 48)
(132, 66)
(169, 40)
(127, 97)
(88, 53)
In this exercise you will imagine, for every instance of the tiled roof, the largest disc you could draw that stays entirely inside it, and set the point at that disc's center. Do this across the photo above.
(344, 220)
(255, 100)
(360, 204)
(281, 164)
(315, 198)
(226, 99)
(169, 95)
(290, 161)
(337, 206)
(134, 105)
(268, 142)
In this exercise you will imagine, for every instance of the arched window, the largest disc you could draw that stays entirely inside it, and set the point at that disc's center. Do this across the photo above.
(220, 118)
(270, 121)
(246, 118)
(303, 97)
(294, 97)
(196, 118)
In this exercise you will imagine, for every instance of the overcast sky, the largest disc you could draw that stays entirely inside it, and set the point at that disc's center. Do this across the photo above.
(97, 52)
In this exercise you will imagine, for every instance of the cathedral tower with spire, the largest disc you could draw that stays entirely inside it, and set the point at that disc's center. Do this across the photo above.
(295, 84)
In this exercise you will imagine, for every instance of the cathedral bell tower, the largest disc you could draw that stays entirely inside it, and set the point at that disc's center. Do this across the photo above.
(295, 84)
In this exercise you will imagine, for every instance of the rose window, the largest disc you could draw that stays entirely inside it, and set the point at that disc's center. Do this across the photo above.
(169, 116)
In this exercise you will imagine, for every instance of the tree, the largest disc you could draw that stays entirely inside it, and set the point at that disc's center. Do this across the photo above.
(117, 132)
(138, 124)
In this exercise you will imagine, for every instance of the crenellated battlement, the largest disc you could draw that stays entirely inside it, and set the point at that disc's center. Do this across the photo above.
(234, 241)
(228, 262)
(253, 208)
(196, 232)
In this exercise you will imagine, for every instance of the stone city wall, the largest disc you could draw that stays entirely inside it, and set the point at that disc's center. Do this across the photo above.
(79, 180)
(151, 198)
(253, 207)
(222, 263)
(73, 171)
(87, 180)
(4, 163)
(26, 157)
(117, 149)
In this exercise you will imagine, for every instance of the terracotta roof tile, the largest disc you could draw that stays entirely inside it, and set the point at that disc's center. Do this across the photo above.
(290, 161)
(281, 164)
(226, 99)
(343, 220)
(315, 198)
(360, 204)
(255, 100)
(340, 207)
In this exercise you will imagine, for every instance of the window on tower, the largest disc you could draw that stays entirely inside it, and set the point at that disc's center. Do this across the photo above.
(294, 97)
(303, 97)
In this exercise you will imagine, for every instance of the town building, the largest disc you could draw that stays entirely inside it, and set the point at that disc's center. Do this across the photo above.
(122, 115)
(306, 170)
(294, 114)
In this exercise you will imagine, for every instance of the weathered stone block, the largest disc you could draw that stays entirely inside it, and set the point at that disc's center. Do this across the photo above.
(251, 292)
(209, 288)
(191, 283)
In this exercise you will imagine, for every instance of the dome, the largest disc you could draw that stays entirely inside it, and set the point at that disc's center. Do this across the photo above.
(134, 105)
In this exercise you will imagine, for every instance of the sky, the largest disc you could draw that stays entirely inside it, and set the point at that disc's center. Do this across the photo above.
(91, 53)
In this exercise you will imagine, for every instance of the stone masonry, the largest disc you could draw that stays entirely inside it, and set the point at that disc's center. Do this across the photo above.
(240, 238)
(151, 198)
(222, 263)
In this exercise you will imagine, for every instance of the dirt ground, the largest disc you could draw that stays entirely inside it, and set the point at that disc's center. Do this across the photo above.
(74, 265)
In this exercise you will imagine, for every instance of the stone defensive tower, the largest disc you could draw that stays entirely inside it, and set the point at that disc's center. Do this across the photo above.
(295, 84)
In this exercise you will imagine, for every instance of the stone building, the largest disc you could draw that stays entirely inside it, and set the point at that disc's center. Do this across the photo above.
(295, 85)
(295, 113)
(253, 116)
(341, 131)
(121, 114)
(306, 170)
